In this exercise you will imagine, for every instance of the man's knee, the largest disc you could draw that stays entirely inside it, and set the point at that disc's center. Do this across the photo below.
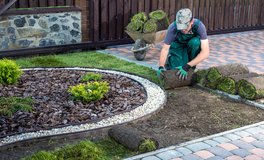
(194, 43)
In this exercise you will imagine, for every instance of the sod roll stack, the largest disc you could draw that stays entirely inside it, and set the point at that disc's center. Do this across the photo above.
(233, 79)
(155, 21)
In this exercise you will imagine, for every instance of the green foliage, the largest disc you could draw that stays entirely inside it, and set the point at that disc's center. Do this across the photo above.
(114, 150)
(42, 155)
(200, 77)
(47, 61)
(135, 26)
(147, 145)
(213, 75)
(150, 26)
(97, 60)
(91, 77)
(85, 150)
(10, 72)
(89, 92)
(157, 15)
(10, 105)
(227, 84)
(141, 16)
(246, 90)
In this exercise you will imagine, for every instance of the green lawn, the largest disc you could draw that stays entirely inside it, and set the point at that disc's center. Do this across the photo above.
(88, 59)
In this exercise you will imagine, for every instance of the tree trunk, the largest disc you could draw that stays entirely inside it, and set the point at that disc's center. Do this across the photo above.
(129, 137)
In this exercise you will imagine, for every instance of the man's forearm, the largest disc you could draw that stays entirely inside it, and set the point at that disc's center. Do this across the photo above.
(163, 56)
(200, 57)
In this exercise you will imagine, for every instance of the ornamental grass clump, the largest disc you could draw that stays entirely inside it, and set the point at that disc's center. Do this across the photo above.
(10, 105)
(88, 92)
(10, 72)
(91, 77)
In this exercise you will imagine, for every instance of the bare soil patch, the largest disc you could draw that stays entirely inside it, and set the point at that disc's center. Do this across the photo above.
(192, 113)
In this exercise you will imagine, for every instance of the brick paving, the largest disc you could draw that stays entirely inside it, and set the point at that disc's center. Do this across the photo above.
(246, 143)
(246, 147)
(242, 47)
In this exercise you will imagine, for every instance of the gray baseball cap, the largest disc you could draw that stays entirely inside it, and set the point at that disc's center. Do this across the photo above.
(183, 18)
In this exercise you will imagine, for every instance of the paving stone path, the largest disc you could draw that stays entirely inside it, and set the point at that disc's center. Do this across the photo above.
(238, 144)
(241, 47)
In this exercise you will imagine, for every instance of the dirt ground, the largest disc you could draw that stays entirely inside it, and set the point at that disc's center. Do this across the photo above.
(190, 113)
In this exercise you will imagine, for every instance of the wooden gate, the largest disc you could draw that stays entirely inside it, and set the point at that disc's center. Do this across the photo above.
(104, 21)
(108, 18)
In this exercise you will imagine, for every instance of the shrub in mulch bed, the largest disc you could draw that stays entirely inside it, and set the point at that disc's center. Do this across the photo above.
(54, 107)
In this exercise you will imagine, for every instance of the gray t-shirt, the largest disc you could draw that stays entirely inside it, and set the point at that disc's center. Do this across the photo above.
(171, 32)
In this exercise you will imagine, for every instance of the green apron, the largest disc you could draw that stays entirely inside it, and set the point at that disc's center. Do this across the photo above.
(184, 49)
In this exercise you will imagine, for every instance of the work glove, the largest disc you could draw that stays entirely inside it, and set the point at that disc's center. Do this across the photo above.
(159, 71)
(183, 71)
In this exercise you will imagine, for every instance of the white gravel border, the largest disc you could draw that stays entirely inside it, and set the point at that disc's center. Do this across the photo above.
(156, 98)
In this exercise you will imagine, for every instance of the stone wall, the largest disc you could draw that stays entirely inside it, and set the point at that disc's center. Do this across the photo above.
(39, 30)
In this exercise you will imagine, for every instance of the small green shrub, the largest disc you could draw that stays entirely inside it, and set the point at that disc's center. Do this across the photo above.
(147, 145)
(91, 77)
(10, 105)
(89, 92)
(10, 72)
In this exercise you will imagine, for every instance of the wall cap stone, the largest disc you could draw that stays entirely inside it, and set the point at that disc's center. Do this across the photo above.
(40, 10)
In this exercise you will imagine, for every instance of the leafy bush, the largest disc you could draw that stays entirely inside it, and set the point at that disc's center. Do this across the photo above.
(89, 92)
(10, 72)
(10, 105)
(91, 77)
(85, 150)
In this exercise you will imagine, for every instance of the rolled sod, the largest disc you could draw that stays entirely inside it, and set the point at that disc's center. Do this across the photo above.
(150, 26)
(227, 84)
(199, 77)
(251, 88)
(232, 69)
(141, 16)
(133, 139)
(213, 75)
(161, 17)
(135, 26)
